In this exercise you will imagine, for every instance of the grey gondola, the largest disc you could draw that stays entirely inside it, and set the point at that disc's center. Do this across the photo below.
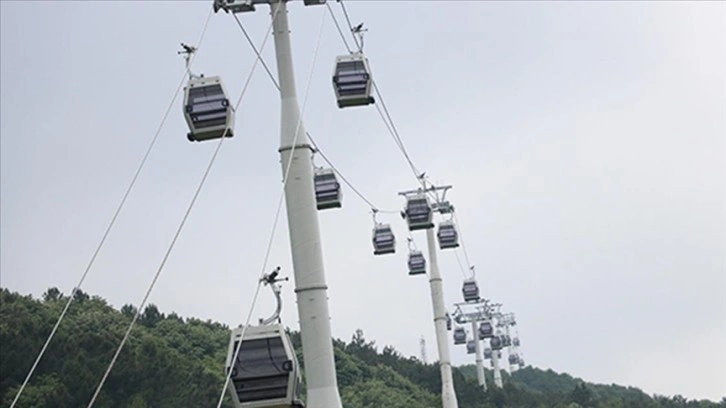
(418, 212)
(447, 235)
(416, 263)
(471, 347)
(384, 242)
(515, 341)
(485, 330)
(521, 363)
(266, 372)
(513, 359)
(207, 110)
(352, 80)
(459, 335)
(487, 353)
(496, 343)
(327, 189)
(470, 290)
(448, 321)
(506, 340)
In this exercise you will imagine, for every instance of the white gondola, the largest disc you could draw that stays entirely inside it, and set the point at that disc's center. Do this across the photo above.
(470, 290)
(207, 110)
(418, 212)
(384, 242)
(352, 80)
(416, 263)
(487, 353)
(447, 235)
(459, 335)
(327, 189)
(496, 343)
(470, 347)
(266, 372)
(486, 330)
(515, 341)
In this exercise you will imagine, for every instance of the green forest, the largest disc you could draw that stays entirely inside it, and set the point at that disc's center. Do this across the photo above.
(171, 361)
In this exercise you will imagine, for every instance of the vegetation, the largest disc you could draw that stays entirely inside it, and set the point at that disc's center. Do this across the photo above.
(169, 361)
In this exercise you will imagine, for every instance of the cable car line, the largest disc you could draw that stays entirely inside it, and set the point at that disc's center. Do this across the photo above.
(340, 31)
(385, 114)
(254, 48)
(315, 144)
(345, 180)
(116, 213)
(176, 234)
(282, 191)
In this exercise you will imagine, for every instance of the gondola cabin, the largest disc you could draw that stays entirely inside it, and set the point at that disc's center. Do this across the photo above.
(470, 290)
(487, 353)
(448, 321)
(447, 235)
(266, 372)
(513, 359)
(327, 189)
(521, 363)
(459, 335)
(384, 242)
(207, 110)
(352, 80)
(496, 343)
(418, 212)
(485, 330)
(416, 263)
(515, 341)
(471, 347)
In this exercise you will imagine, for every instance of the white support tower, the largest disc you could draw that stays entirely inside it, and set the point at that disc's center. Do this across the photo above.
(479, 356)
(475, 313)
(448, 395)
(422, 343)
(497, 371)
(302, 216)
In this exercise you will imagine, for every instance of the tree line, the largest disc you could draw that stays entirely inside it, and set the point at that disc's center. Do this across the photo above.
(171, 361)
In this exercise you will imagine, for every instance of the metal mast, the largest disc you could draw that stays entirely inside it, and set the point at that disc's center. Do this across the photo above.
(448, 395)
(464, 314)
(479, 358)
(497, 372)
(302, 218)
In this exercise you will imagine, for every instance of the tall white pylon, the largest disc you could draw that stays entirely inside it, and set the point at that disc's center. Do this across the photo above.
(302, 217)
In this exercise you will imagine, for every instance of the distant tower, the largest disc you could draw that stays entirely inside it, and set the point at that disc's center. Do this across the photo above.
(422, 342)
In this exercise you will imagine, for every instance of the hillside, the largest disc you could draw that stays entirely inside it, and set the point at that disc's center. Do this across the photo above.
(172, 361)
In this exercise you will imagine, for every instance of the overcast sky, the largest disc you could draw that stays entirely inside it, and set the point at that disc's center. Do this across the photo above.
(585, 143)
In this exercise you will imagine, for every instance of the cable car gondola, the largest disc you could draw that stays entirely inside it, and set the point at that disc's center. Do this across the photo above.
(470, 290)
(496, 343)
(207, 110)
(471, 347)
(266, 372)
(352, 80)
(327, 189)
(384, 242)
(448, 321)
(416, 263)
(485, 330)
(513, 359)
(515, 341)
(447, 235)
(487, 353)
(459, 335)
(521, 363)
(418, 212)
